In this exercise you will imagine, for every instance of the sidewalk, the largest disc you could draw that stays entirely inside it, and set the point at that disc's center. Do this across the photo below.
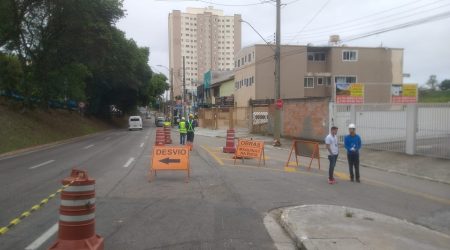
(422, 167)
(350, 228)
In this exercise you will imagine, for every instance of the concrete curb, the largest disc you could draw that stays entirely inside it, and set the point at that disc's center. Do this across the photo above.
(302, 242)
(37, 148)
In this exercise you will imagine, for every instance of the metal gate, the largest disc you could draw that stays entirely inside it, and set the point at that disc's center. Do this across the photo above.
(422, 129)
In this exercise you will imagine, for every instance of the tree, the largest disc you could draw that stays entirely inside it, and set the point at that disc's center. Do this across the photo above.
(432, 82)
(11, 73)
(445, 85)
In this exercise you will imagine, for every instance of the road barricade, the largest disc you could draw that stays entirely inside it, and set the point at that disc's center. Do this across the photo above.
(250, 149)
(77, 214)
(170, 158)
(304, 148)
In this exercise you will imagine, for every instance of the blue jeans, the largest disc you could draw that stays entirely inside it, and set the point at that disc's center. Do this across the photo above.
(182, 138)
(332, 159)
(353, 162)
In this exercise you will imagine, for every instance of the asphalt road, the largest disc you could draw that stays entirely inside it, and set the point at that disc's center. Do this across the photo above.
(222, 207)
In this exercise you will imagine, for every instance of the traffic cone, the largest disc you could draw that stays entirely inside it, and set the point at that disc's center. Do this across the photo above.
(77, 214)
(160, 137)
(229, 146)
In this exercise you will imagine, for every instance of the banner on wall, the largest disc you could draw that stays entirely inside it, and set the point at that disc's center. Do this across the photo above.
(349, 93)
(404, 93)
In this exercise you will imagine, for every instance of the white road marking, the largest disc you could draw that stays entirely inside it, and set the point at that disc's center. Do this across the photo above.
(42, 164)
(142, 144)
(43, 238)
(128, 162)
(90, 146)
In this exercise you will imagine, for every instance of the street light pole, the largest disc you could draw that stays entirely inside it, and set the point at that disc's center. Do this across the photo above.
(184, 87)
(277, 127)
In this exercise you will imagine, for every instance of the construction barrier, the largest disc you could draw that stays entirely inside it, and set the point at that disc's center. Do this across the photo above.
(167, 137)
(160, 137)
(305, 148)
(229, 145)
(77, 214)
(248, 149)
(170, 158)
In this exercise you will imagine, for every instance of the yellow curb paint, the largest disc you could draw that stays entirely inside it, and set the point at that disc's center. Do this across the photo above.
(212, 154)
(290, 169)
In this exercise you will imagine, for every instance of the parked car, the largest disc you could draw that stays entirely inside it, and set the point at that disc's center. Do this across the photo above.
(159, 122)
(135, 122)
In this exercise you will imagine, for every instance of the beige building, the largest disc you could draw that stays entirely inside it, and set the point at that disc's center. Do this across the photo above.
(308, 71)
(207, 39)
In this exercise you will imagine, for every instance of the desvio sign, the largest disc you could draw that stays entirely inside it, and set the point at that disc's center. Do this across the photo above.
(250, 149)
(170, 158)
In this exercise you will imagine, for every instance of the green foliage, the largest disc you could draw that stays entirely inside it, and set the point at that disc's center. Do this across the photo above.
(72, 49)
(434, 96)
(432, 82)
(11, 73)
(445, 85)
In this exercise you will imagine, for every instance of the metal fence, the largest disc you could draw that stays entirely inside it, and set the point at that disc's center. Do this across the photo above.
(422, 129)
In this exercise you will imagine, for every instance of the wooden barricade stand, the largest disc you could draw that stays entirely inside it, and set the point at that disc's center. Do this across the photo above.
(304, 148)
(250, 149)
(166, 158)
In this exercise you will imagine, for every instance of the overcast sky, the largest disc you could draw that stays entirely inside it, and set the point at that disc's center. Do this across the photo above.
(426, 46)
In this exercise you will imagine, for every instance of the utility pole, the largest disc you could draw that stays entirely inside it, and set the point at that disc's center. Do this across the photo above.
(184, 87)
(277, 127)
(172, 102)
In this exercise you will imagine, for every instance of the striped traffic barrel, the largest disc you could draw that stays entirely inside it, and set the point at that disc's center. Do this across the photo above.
(77, 214)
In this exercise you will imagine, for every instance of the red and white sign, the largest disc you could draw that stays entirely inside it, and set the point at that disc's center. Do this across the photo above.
(279, 104)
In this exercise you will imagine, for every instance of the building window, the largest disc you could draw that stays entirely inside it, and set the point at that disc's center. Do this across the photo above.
(345, 79)
(320, 81)
(350, 55)
(308, 82)
(316, 56)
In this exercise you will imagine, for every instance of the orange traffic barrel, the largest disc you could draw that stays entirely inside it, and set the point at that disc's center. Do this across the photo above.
(167, 137)
(229, 144)
(77, 214)
(160, 137)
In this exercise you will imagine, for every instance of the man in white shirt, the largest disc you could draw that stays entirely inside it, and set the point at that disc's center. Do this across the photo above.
(333, 152)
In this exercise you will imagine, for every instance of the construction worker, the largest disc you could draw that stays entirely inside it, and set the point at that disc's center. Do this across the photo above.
(183, 130)
(191, 124)
(167, 122)
(352, 143)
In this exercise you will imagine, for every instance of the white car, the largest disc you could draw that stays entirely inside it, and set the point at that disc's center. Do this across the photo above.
(135, 122)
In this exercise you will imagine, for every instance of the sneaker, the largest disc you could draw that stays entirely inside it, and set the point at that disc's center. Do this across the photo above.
(330, 181)
(334, 181)
(357, 180)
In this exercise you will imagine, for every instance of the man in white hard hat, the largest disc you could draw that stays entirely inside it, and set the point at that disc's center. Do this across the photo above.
(352, 143)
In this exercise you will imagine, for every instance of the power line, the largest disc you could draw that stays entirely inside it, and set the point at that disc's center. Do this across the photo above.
(220, 4)
(384, 19)
(312, 19)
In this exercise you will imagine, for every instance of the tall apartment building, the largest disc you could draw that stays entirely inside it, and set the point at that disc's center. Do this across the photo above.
(207, 39)
(308, 71)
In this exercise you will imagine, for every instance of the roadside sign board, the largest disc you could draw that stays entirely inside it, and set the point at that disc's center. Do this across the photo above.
(250, 149)
(404, 93)
(307, 149)
(170, 158)
(349, 93)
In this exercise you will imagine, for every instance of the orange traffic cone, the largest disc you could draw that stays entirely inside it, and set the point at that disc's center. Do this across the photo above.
(77, 214)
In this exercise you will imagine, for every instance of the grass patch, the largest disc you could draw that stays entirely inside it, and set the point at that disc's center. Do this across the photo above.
(35, 127)
(434, 96)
